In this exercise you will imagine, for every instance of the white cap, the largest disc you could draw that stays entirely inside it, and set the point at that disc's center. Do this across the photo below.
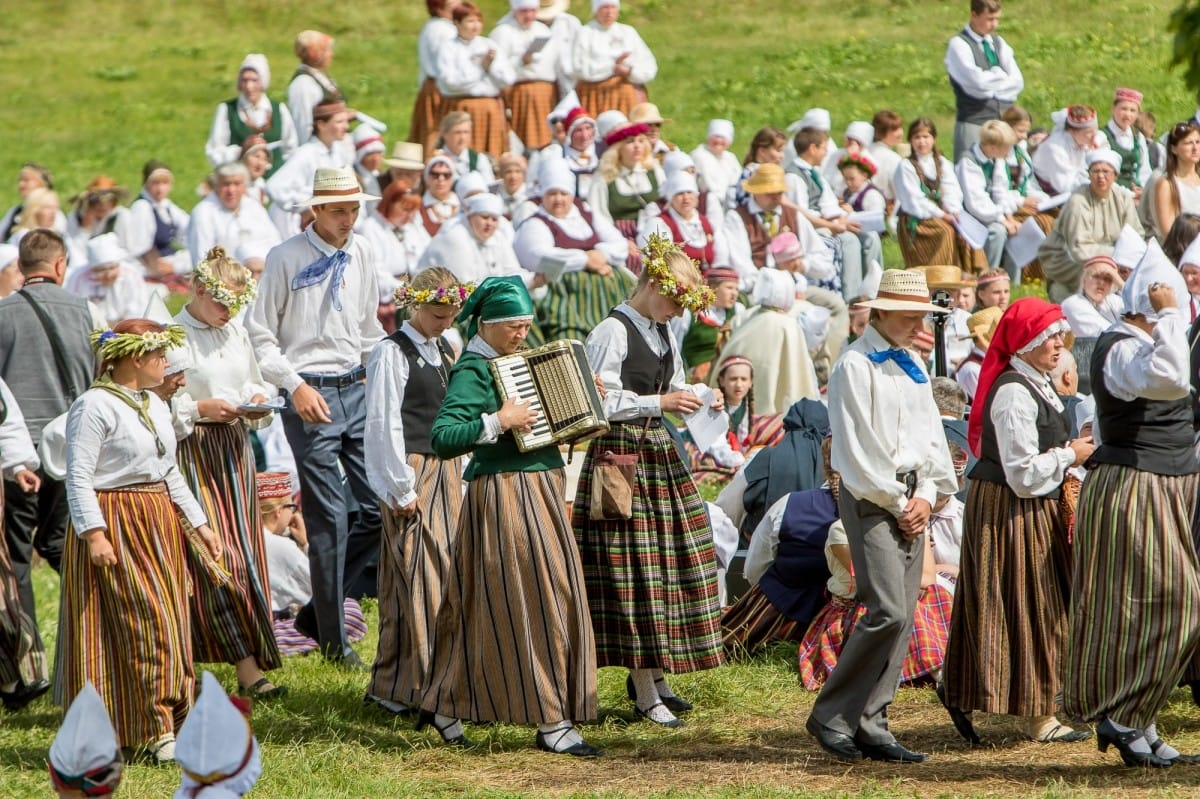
(679, 183)
(485, 204)
(1105, 156)
(179, 359)
(367, 140)
(215, 745)
(722, 128)
(105, 249)
(1192, 254)
(524, 5)
(775, 289)
(599, 4)
(555, 173)
(813, 118)
(608, 121)
(8, 254)
(470, 183)
(86, 741)
(258, 63)
(861, 132)
(677, 161)
(1129, 249)
(1154, 267)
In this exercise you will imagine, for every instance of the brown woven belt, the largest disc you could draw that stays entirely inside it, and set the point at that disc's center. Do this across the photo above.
(141, 488)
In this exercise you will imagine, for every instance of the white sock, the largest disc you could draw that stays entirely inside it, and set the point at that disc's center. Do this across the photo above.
(660, 683)
(1137, 744)
(1164, 750)
(560, 735)
(447, 726)
(648, 700)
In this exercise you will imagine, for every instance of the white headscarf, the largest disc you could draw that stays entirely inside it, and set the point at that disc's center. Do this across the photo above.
(1154, 267)
(775, 289)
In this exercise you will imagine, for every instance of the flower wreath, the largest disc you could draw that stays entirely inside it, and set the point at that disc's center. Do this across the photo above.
(654, 261)
(234, 301)
(111, 346)
(408, 297)
(859, 161)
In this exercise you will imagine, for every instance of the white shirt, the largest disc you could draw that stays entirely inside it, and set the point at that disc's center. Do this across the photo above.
(458, 249)
(716, 174)
(1154, 366)
(1061, 163)
(1088, 320)
(512, 41)
(564, 27)
(462, 165)
(798, 191)
(1002, 82)
(764, 542)
(17, 452)
(143, 224)
(945, 535)
(287, 568)
(535, 241)
(1126, 139)
(212, 223)
(596, 50)
(988, 201)
(1013, 412)
(912, 200)
(692, 231)
(461, 73)
(283, 324)
(126, 298)
(967, 374)
(884, 423)
(958, 337)
(818, 260)
(435, 33)
(219, 151)
(303, 95)
(108, 447)
(886, 160)
(607, 347)
(388, 472)
(397, 250)
(223, 367)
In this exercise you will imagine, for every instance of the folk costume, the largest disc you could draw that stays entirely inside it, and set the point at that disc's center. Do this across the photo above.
(238, 119)
(595, 52)
(466, 86)
(534, 92)
(427, 108)
(986, 81)
(926, 191)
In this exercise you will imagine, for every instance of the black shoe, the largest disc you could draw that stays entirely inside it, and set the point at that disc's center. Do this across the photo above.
(675, 704)
(347, 660)
(673, 723)
(306, 621)
(892, 753)
(960, 719)
(581, 749)
(426, 719)
(838, 744)
(1107, 735)
(25, 693)
(1179, 760)
(263, 689)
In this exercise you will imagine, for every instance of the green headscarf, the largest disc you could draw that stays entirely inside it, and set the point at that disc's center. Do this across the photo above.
(496, 299)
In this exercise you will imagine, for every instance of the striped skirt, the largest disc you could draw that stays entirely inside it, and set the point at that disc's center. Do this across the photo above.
(753, 622)
(629, 229)
(514, 638)
(530, 103)
(579, 301)
(22, 655)
(230, 621)
(612, 94)
(829, 631)
(1135, 606)
(1033, 270)
(1009, 626)
(489, 128)
(651, 579)
(293, 642)
(426, 116)
(126, 627)
(925, 242)
(415, 559)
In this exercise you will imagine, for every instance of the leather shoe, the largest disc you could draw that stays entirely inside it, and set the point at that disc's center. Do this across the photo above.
(960, 719)
(581, 749)
(892, 753)
(675, 704)
(838, 744)
(306, 621)
(25, 693)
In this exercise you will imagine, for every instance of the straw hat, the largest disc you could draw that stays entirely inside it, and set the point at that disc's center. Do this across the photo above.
(767, 179)
(901, 290)
(982, 324)
(647, 113)
(406, 155)
(945, 277)
(334, 185)
(551, 9)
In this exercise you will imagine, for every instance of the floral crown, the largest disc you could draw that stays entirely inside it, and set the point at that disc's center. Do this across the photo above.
(407, 297)
(654, 261)
(859, 161)
(234, 301)
(111, 346)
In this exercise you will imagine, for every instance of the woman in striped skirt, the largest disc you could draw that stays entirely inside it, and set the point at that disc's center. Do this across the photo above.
(231, 618)
(563, 230)
(514, 638)
(1009, 624)
(420, 494)
(123, 618)
(651, 575)
(1135, 606)
(628, 181)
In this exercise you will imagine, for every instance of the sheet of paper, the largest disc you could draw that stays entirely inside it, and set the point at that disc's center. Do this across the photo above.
(1054, 202)
(705, 425)
(974, 231)
(274, 404)
(552, 268)
(1022, 247)
(537, 45)
(871, 221)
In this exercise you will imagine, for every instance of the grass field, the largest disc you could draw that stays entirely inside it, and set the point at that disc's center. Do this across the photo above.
(105, 85)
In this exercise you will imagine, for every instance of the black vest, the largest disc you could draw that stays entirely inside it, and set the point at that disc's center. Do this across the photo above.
(1148, 435)
(974, 109)
(1053, 429)
(423, 394)
(1194, 364)
(643, 372)
(165, 233)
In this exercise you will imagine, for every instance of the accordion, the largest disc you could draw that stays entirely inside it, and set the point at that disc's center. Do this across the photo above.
(556, 380)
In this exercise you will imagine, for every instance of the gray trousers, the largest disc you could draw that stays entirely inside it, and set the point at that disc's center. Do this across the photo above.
(966, 135)
(887, 570)
(337, 552)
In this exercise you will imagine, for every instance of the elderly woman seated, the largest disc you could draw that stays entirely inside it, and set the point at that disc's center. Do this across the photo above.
(473, 250)
(1098, 303)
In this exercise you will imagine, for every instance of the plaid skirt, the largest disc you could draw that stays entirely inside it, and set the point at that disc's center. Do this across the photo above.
(651, 580)
(611, 94)
(629, 229)
(579, 301)
(489, 128)
(529, 104)
(766, 430)
(426, 116)
(22, 656)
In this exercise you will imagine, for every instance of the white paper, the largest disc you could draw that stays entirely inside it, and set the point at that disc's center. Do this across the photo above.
(871, 221)
(1022, 247)
(274, 404)
(972, 230)
(705, 425)
(552, 268)
(1054, 202)
(537, 45)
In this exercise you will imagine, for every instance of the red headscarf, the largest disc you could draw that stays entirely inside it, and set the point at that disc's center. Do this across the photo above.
(1021, 323)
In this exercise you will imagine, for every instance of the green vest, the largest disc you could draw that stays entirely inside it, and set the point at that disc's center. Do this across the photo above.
(1130, 159)
(627, 206)
(699, 344)
(239, 131)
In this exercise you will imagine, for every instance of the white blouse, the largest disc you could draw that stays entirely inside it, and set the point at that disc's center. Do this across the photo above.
(841, 581)
(397, 250)
(287, 568)
(912, 199)
(692, 231)
(628, 182)
(535, 241)
(125, 298)
(16, 447)
(212, 223)
(108, 447)
(434, 34)
(292, 183)
(1152, 366)
(219, 151)
(460, 71)
(608, 345)
(1061, 163)
(456, 247)
(1089, 320)
(513, 41)
(596, 50)
(1014, 411)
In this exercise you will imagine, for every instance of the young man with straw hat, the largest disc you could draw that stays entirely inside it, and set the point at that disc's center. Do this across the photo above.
(889, 448)
(313, 326)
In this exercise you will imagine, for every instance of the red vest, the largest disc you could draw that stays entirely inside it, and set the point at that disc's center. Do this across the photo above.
(706, 254)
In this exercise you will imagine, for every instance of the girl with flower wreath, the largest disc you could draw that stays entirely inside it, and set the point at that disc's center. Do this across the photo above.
(420, 494)
(651, 578)
(124, 621)
(231, 618)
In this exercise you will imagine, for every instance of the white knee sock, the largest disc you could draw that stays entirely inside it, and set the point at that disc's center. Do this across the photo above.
(660, 683)
(1164, 750)
(560, 735)
(447, 726)
(648, 700)
(1138, 744)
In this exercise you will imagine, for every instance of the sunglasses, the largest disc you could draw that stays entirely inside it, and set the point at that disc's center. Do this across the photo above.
(440, 175)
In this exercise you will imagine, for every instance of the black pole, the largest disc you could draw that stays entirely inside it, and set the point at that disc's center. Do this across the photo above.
(941, 298)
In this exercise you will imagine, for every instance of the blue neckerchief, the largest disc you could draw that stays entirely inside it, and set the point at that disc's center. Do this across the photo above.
(903, 360)
(316, 272)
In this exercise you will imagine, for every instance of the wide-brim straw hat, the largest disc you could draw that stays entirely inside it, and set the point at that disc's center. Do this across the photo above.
(902, 290)
(982, 324)
(647, 113)
(551, 9)
(767, 179)
(334, 185)
(946, 277)
(407, 155)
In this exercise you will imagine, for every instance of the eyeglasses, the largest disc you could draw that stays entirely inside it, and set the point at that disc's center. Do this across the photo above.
(440, 175)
